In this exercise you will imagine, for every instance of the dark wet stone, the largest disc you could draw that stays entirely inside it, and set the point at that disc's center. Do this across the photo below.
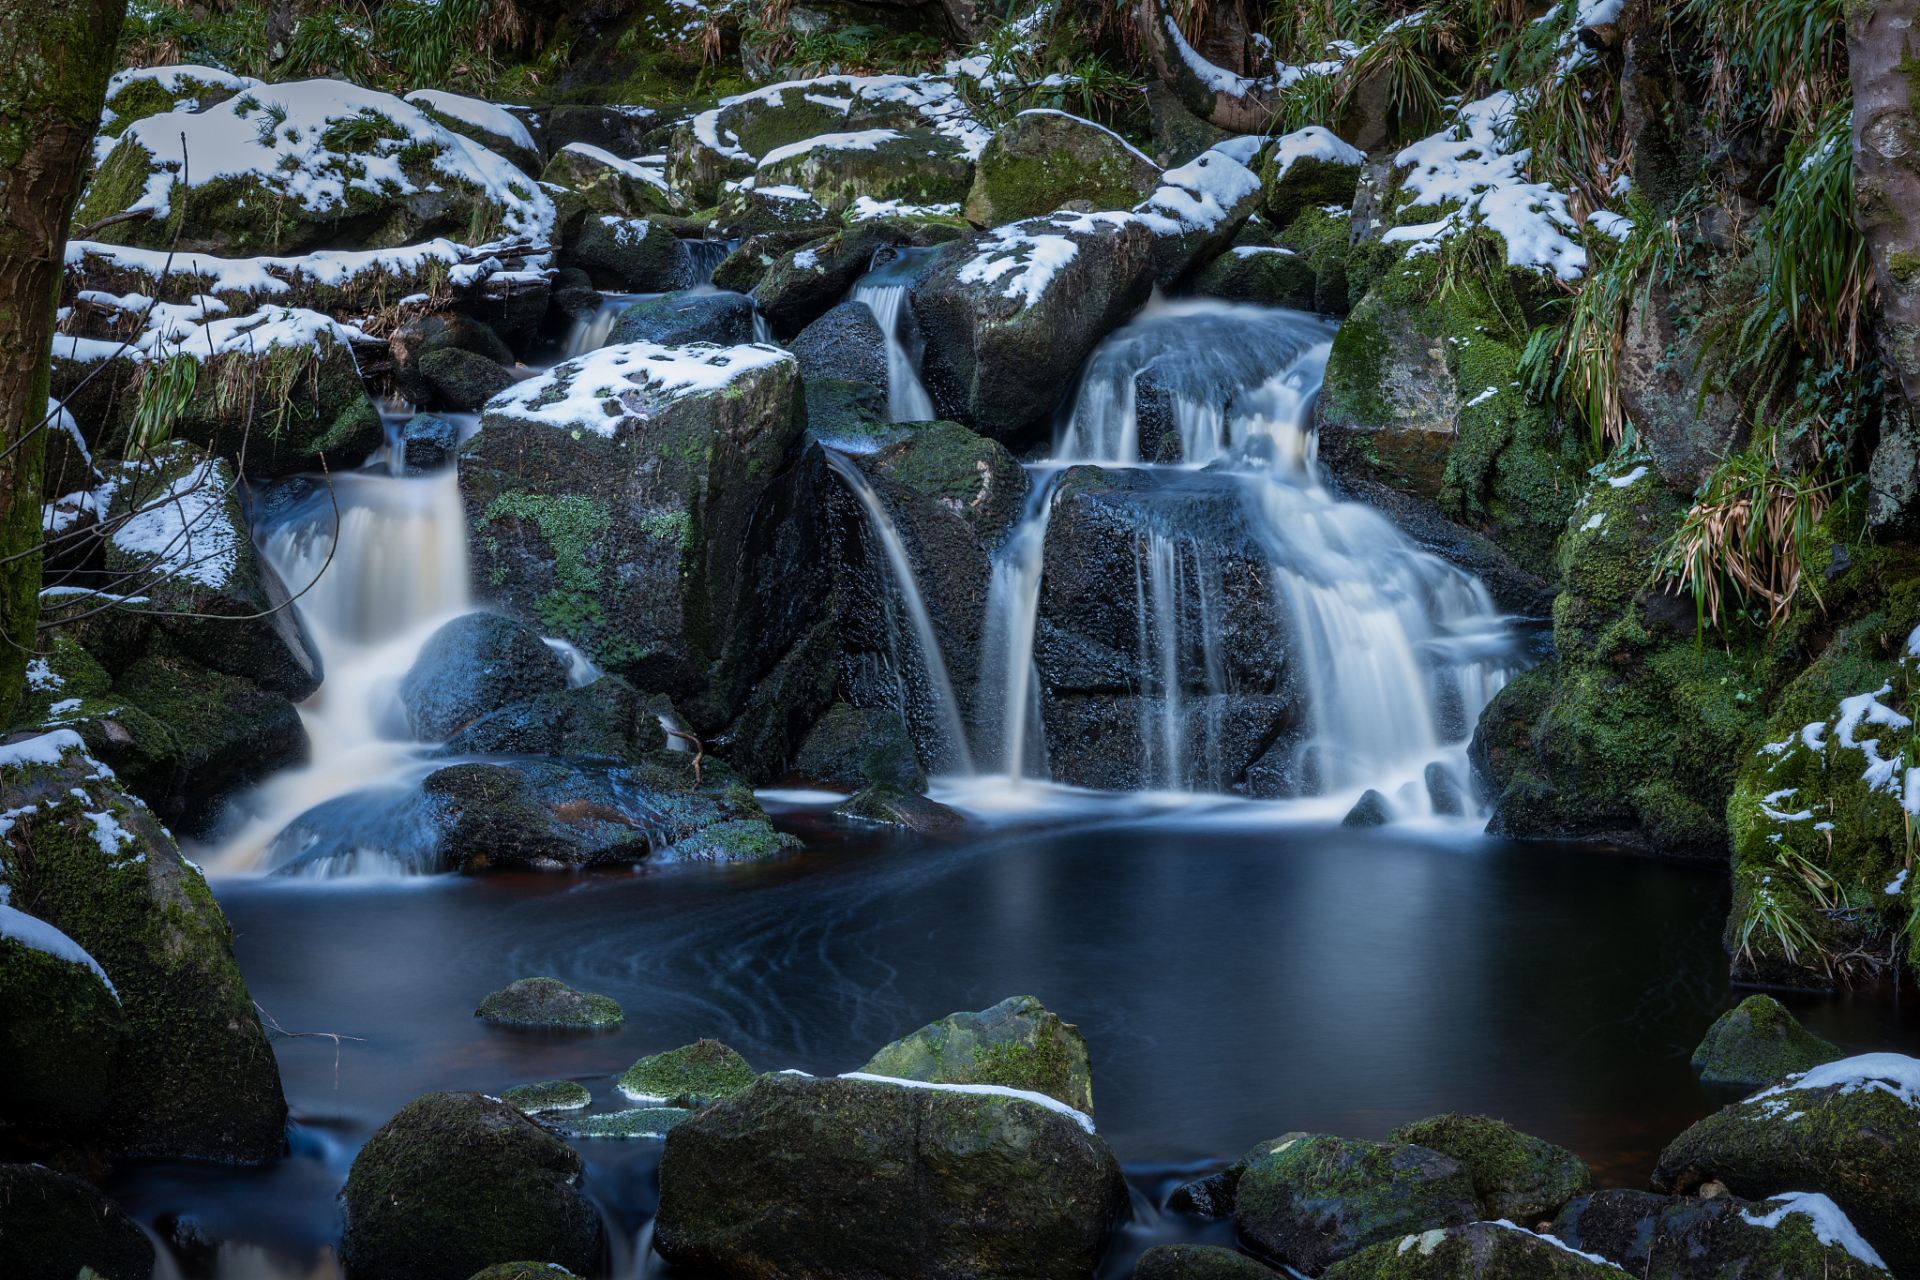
(845, 343)
(548, 1002)
(1198, 1262)
(54, 1226)
(427, 444)
(1443, 793)
(462, 379)
(475, 664)
(1371, 810)
(675, 319)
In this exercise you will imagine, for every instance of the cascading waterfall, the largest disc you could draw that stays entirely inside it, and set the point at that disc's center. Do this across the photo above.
(949, 738)
(590, 333)
(884, 290)
(1397, 650)
(707, 255)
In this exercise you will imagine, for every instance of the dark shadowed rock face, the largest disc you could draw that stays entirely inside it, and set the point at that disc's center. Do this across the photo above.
(54, 1226)
(1198, 1262)
(1689, 1238)
(675, 319)
(456, 1182)
(844, 343)
(864, 1180)
(1477, 1251)
(473, 665)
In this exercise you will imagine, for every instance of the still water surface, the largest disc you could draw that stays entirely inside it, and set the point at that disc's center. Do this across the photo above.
(1233, 982)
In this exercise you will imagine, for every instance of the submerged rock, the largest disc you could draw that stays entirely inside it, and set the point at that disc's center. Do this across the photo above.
(54, 1226)
(548, 1002)
(1370, 810)
(1313, 1201)
(1657, 1237)
(1017, 1043)
(473, 665)
(1515, 1175)
(1477, 1251)
(455, 1182)
(690, 1076)
(605, 720)
(1849, 1130)
(639, 1122)
(1758, 1042)
(548, 1096)
(896, 1180)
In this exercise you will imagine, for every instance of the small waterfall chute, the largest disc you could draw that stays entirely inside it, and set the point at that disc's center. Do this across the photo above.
(884, 290)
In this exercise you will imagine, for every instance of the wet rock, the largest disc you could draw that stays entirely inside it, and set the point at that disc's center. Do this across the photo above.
(1001, 353)
(546, 1097)
(1213, 1195)
(60, 1032)
(456, 1182)
(427, 444)
(1178, 134)
(1692, 1238)
(604, 720)
(1758, 1042)
(916, 166)
(1042, 159)
(618, 128)
(633, 252)
(415, 340)
(845, 343)
(898, 807)
(1370, 810)
(970, 475)
(1515, 1175)
(523, 1271)
(1444, 794)
(639, 1122)
(548, 1002)
(1851, 1137)
(1893, 475)
(898, 1180)
(1316, 1200)
(1017, 1043)
(742, 269)
(1477, 1251)
(693, 1075)
(194, 1077)
(608, 183)
(463, 380)
(54, 1226)
(804, 283)
(1198, 1262)
(675, 319)
(573, 295)
(1660, 383)
(850, 416)
(475, 664)
(850, 748)
(1265, 277)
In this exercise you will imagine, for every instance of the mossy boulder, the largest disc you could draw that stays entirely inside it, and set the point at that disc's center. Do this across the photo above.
(678, 318)
(605, 720)
(1515, 1175)
(456, 1182)
(462, 380)
(899, 807)
(755, 210)
(805, 281)
(630, 253)
(138, 92)
(495, 128)
(1213, 1195)
(1017, 1043)
(54, 1226)
(1307, 169)
(1263, 276)
(60, 1032)
(1848, 1130)
(195, 1076)
(415, 340)
(1476, 1251)
(523, 1271)
(894, 1180)
(473, 665)
(548, 1002)
(635, 1122)
(742, 269)
(609, 184)
(1757, 1042)
(1322, 238)
(850, 747)
(913, 166)
(1198, 1262)
(1658, 1237)
(1042, 160)
(621, 532)
(690, 1076)
(1315, 1200)
(547, 1097)
(968, 474)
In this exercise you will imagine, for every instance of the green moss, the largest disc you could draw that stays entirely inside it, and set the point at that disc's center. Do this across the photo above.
(572, 526)
(1758, 1042)
(736, 840)
(639, 1122)
(548, 1002)
(60, 1032)
(549, 1095)
(1017, 1043)
(1515, 1175)
(691, 1076)
(1307, 184)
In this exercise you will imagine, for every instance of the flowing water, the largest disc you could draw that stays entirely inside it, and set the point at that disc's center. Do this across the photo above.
(884, 290)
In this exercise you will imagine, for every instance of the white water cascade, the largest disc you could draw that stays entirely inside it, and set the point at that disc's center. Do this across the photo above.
(884, 290)
(1397, 651)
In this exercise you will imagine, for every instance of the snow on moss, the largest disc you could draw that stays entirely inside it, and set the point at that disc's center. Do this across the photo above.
(1830, 1224)
(1200, 194)
(1080, 1118)
(30, 931)
(184, 532)
(936, 101)
(866, 208)
(1489, 186)
(861, 140)
(481, 115)
(265, 277)
(598, 390)
(1312, 143)
(316, 140)
(653, 175)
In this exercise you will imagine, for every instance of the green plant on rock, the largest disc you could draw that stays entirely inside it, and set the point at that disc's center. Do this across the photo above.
(166, 393)
(333, 40)
(1784, 61)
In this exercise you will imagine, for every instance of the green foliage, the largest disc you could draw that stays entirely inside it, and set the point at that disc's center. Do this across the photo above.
(1051, 59)
(166, 392)
(1783, 61)
(333, 41)
(158, 34)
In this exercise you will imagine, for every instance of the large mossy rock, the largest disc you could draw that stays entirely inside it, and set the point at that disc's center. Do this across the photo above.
(1042, 160)
(605, 720)
(1315, 1200)
(195, 1076)
(1515, 1175)
(280, 168)
(1477, 1251)
(138, 92)
(1848, 1130)
(850, 748)
(54, 1226)
(608, 183)
(609, 500)
(1266, 276)
(1635, 734)
(804, 282)
(456, 1182)
(1757, 1042)
(548, 1002)
(631, 253)
(914, 166)
(474, 665)
(1310, 168)
(1213, 1195)
(693, 1075)
(797, 1177)
(684, 316)
(1017, 1043)
(60, 1032)
(1689, 1238)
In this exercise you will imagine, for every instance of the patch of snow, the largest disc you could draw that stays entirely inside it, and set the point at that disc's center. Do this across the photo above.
(1866, 708)
(64, 706)
(36, 933)
(1200, 194)
(1830, 1224)
(1898, 885)
(184, 532)
(107, 832)
(1621, 482)
(1250, 250)
(1593, 521)
(1617, 225)
(481, 115)
(806, 260)
(41, 676)
(1080, 1118)
(653, 175)
(1027, 260)
(866, 208)
(863, 140)
(1313, 143)
(1560, 1244)
(1594, 13)
(1218, 79)
(1482, 398)
(45, 749)
(1893, 1073)
(597, 390)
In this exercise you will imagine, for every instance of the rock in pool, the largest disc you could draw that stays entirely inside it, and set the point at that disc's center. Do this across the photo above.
(548, 1002)
(690, 1076)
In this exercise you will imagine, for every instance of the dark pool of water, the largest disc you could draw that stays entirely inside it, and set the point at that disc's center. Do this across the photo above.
(1232, 985)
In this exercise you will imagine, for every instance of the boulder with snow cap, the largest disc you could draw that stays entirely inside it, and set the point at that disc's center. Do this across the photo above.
(608, 184)
(1848, 1130)
(139, 92)
(284, 167)
(751, 210)
(1477, 1251)
(1198, 208)
(195, 1076)
(801, 284)
(625, 540)
(60, 1031)
(1709, 1237)
(1308, 168)
(917, 166)
(1042, 160)
(493, 127)
(866, 1178)
(632, 253)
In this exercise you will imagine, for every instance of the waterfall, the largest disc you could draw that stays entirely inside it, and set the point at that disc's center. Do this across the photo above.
(884, 290)
(590, 333)
(707, 255)
(1395, 650)
(950, 749)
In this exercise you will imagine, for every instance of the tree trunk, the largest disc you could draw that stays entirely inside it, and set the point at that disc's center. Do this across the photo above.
(55, 58)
